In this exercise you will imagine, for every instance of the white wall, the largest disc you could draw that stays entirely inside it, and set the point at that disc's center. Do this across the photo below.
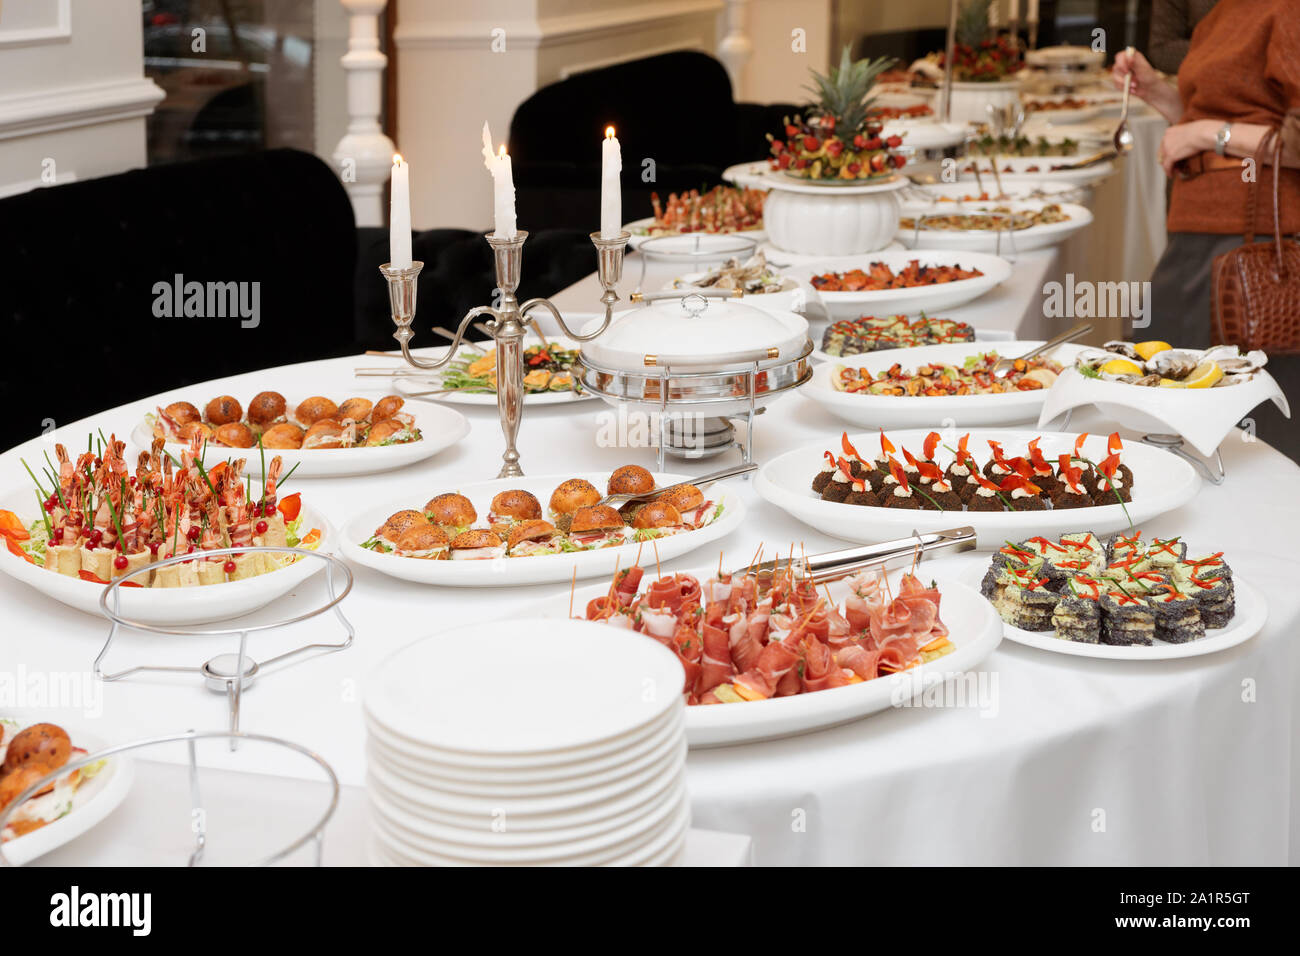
(73, 96)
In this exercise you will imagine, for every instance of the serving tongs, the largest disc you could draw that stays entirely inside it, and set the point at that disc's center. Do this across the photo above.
(1100, 157)
(835, 565)
(701, 482)
(1006, 364)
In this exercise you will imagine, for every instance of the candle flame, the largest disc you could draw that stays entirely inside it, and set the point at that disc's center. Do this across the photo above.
(501, 150)
(397, 159)
(609, 132)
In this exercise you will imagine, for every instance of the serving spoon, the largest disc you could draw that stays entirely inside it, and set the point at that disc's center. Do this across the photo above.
(1123, 135)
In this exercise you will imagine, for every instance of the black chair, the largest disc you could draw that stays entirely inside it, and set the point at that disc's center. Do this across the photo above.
(674, 110)
(87, 299)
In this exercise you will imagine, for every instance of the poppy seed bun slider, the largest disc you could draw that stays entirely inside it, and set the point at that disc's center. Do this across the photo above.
(657, 514)
(684, 498)
(451, 511)
(596, 518)
(571, 495)
(396, 524)
(533, 537)
(476, 544)
(423, 541)
(631, 480)
(514, 505)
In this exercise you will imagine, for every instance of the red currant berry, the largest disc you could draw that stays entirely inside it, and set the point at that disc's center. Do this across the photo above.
(229, 567)
(120, 562)
(261, 527)
(193, 534)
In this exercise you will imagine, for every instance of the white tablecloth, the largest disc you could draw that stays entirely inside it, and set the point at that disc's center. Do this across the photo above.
(1081, 762)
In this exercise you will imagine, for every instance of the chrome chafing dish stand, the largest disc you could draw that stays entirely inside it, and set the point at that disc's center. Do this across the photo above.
(507, 323)
(228, 673)
(680, 386)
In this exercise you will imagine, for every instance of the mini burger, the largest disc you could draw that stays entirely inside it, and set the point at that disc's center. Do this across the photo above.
(631, 480)
(657, 515)
(391, 531)
(597, 527)
(452, 512)
(512, 506)
(533, 537)
(690, 503)
(568, 498)
(423, 541)
(476, 544)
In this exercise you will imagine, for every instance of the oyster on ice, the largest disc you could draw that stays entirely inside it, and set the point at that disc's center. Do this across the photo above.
(1169, 366)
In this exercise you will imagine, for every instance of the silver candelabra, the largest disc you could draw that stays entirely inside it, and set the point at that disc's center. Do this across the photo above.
(507, 323)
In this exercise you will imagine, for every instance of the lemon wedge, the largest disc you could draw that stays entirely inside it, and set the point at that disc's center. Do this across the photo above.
(1121, 366)
(1204, 375)
(1148, 349)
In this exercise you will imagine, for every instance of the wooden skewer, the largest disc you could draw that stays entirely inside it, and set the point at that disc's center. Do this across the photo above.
(658, 570)
(572, 585)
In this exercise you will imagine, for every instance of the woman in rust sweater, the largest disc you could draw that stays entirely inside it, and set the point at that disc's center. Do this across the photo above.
(1240, 78)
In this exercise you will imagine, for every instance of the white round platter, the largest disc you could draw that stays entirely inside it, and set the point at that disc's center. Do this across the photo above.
(1024, 190)
(988, 240)
(1249, 620)
(928, 298)
(1162, 482)
(784, 182)
(440, 428)
(638, 229)
(94, 800)
(1061, 117)
(974, 628)
(169, 606)
(920, 411)
(537, 569)
(1203, 416)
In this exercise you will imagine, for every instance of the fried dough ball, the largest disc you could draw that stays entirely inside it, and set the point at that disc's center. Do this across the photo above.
(356, 409)
(235, 435)
(284, 435)
(40, 743)
(311, 410)
(386, 408)
(223, 410)
(182, 413)
(266, 407)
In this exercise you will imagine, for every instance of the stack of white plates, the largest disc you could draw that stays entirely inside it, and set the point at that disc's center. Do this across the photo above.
(539, 742)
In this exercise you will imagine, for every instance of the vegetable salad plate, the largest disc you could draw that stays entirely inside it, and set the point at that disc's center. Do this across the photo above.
(872, 408)
(974, 631)
(725, 515)
(1161, 482)
(439, 427)
(96, 795)
(843, 302)
(164, 606)
(640, 230)
(472, 380)
(1015, 169)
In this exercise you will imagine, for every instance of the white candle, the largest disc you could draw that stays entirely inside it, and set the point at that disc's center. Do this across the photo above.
(1032, 15)
(1013, 11)
(503, 187)
(611, 197)
(399, 216)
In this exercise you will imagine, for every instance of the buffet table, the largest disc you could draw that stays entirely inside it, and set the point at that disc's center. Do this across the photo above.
(1062, 759)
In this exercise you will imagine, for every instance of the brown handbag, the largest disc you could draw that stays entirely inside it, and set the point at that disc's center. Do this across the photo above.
(1256, 287)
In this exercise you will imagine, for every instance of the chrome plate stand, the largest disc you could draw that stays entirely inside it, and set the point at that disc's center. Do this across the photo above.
(1215, 475)
(230, 674)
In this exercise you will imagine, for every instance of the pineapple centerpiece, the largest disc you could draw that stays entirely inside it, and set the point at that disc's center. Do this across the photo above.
(979, 56)
(837, 141)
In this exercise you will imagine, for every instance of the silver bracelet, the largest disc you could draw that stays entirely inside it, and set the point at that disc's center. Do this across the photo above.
(1222, 138)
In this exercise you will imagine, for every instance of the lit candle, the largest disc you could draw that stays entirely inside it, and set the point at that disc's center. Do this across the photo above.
(611, 197)
(1032, 15)
(399, 216)
(503, 182)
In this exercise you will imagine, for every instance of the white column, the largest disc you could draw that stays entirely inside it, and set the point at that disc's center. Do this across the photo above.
(364, 156)
(736, 47)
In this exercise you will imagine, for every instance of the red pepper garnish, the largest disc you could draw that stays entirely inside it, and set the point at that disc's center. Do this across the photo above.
(931, 443)
(886, 446)
(849, 450)
(897, 471)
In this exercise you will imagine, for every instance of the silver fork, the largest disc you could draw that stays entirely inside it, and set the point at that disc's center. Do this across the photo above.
(1005, 365)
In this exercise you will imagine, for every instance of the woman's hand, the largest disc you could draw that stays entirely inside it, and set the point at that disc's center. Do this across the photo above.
(1186, 139)
(1148, 85)
(1146, 80)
